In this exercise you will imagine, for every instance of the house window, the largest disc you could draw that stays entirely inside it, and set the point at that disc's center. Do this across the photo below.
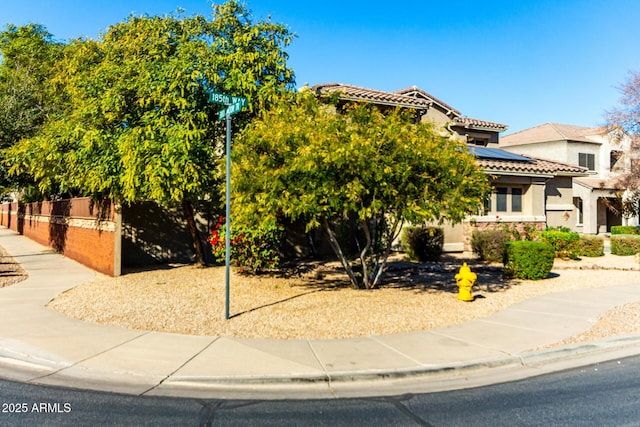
(614, 156)
(516, 200)
(504, 199)
(577, 202)
(501, 199)
(587, 160)
(478, 141)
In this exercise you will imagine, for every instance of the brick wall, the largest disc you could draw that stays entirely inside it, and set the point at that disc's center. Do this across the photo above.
(9, 215)
(80, 229)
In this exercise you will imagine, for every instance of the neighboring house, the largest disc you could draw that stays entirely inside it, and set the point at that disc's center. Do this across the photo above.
(523, 186)
(427, 107)
(592, 148)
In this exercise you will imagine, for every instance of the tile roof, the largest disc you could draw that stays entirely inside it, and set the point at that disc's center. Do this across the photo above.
(469, 122)
(417, 92)
(356, 93)
(552, 132)
(536, 167)
(411, 97)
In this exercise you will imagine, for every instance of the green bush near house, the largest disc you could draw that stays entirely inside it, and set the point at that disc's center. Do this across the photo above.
(566, 244)
(591, 246)
(488, 245)
(529, 260)
(423, 243)
(625, 244)
(625, 229)
(559, 228)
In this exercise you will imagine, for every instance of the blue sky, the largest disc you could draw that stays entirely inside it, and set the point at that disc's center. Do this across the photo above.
(522, 63)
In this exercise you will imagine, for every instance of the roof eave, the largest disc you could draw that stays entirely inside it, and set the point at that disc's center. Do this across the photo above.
(502, 172)
(381, 102)
(489, 128)
(572, 174)
(496, 128)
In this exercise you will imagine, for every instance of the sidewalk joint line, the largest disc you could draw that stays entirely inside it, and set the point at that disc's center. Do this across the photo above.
(170, 374)
(74, 364)
(324, 368)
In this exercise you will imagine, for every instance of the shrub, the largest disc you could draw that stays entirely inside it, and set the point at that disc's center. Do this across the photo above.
(423, 243)
(252, 250)
(625, 229)
(559, 228)
(520, 232)
(625, 244)
(591, 246)
(489, 244)
(565, 244)
(528, 260)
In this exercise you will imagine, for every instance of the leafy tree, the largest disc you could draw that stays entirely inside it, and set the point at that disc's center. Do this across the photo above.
(624, 122)
(140, 125)
(303, 160)
(26, 101)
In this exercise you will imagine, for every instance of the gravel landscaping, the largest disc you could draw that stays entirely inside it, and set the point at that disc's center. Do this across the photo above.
(316, 301)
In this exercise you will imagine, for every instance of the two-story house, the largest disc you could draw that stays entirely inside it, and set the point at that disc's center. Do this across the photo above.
(523, 186)
(589, 210)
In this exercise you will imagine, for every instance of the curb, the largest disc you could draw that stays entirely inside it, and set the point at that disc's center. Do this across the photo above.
(372, 382)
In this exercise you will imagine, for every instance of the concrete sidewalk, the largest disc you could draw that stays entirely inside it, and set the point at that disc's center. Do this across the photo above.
(42, 346)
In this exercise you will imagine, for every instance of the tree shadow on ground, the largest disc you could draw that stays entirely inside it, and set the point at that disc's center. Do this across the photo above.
(440, 276)
(403, 275)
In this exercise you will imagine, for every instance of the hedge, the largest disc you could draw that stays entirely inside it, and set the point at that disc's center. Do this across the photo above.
(565, 244)
(529, 260)
(591, 246)
(625, 229)
(625, 244)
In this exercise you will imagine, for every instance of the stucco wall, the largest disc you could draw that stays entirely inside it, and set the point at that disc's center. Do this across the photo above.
(552, 150)
(153, 234)
(561, 211)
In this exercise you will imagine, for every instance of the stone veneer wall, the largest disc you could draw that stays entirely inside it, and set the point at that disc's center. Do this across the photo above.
(470, 226)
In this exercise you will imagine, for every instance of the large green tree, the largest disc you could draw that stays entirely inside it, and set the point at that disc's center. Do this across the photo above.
(26, 100)
(304, 160)
(139, 125)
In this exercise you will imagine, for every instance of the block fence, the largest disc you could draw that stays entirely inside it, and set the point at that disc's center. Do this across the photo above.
(81, 229)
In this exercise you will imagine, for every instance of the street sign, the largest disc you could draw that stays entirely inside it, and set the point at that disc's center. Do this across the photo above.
(232, 109)
(223, 98)
(219, 98)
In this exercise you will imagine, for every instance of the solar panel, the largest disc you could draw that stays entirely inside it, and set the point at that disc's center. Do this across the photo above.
(496, 154)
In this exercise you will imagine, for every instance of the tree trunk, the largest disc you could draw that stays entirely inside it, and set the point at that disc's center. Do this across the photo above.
(338, 251)
(394, 232)
(187, 209)
(366, 279)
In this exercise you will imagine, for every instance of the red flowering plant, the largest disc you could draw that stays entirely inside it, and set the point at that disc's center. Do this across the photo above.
(252, 250)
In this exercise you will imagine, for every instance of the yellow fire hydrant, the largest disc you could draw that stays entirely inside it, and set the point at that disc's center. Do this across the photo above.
(465, 280)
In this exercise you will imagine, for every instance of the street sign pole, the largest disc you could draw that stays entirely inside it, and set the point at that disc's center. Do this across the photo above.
(233, 104)
(227, 234)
